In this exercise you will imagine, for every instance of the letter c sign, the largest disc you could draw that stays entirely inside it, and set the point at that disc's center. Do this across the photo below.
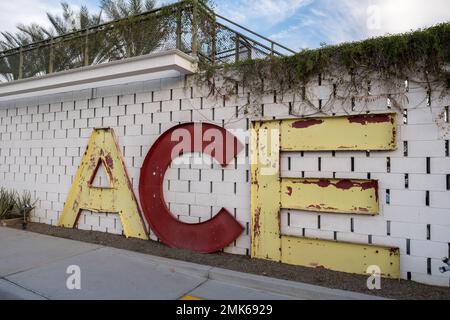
(206, 237)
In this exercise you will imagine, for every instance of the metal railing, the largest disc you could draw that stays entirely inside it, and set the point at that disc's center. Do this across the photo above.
(187, 25)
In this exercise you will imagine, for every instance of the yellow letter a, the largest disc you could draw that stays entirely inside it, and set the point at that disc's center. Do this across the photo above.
(119, 198)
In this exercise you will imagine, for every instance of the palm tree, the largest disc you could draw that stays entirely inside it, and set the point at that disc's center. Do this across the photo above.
(137, 36)
(9, 65)
(73, 53)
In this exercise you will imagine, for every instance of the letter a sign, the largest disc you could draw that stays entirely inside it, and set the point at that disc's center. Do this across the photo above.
(119, 197)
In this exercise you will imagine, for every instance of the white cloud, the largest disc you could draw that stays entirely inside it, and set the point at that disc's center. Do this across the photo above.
(15, 12)
(404, 15)
(335, 22)
(261, 12)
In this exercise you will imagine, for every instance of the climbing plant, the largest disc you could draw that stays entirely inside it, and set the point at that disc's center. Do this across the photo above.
(359, 73)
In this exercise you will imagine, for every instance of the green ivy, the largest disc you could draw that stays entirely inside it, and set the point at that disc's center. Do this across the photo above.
(390, 56)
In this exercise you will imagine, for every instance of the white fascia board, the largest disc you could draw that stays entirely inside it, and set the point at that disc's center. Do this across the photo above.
(150, 66)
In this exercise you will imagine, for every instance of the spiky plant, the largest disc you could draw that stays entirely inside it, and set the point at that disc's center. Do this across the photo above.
(23, 204)
(7, 201)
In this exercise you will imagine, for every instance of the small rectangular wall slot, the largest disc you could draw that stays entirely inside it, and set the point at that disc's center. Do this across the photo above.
(408, 276)
(427, 198)
(447, 148)
(289, 219)
(446, 115)
(289, 163)
(408, 247)
(369, 88)
(369, 240)
(405, 148)
(352, 225)
(334, 90)
(448, 182)
(405, 116)
(335, 235)
(406, 181)
(428, 165)
(353, 164)
(319, 160)
(428, 231)
(388, 164)
(429, 266)
(388, 196)
(353, 104)
(318, 222)
(388, 228)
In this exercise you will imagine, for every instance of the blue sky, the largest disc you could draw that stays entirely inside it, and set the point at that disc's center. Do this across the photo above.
(296, 23)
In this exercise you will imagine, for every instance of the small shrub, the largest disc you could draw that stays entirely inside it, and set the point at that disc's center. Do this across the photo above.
(23, 204)
(7, 203)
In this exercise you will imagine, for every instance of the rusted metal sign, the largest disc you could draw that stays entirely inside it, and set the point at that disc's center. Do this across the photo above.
(206, 237)
(270, 193)
(331, 195)
(355, 133)
(118, 198)
(340, 256)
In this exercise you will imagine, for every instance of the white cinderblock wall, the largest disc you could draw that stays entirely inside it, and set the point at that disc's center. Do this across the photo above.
(43, 138)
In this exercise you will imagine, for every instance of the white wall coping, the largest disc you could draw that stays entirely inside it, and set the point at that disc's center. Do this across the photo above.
(160, 65)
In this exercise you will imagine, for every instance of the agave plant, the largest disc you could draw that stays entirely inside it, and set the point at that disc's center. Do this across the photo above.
(7, 202)
(23, 205)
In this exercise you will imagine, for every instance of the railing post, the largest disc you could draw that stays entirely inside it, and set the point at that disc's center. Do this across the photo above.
(20, 75)
(51, 57)
(195, 27)
(86, 49)
(214, 43)
(179, 27)
(238, 48)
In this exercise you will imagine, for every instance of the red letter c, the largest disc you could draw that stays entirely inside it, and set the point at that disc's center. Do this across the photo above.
(207, 237)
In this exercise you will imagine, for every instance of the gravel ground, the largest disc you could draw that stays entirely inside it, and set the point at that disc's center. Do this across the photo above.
(396, 289)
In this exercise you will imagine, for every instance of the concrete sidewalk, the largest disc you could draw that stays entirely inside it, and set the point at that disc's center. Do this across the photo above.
(34, 266)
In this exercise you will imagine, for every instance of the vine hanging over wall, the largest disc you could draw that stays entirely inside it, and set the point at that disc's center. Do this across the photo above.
(393, 64)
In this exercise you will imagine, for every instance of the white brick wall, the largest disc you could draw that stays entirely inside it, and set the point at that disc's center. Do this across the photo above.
(42, 141)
